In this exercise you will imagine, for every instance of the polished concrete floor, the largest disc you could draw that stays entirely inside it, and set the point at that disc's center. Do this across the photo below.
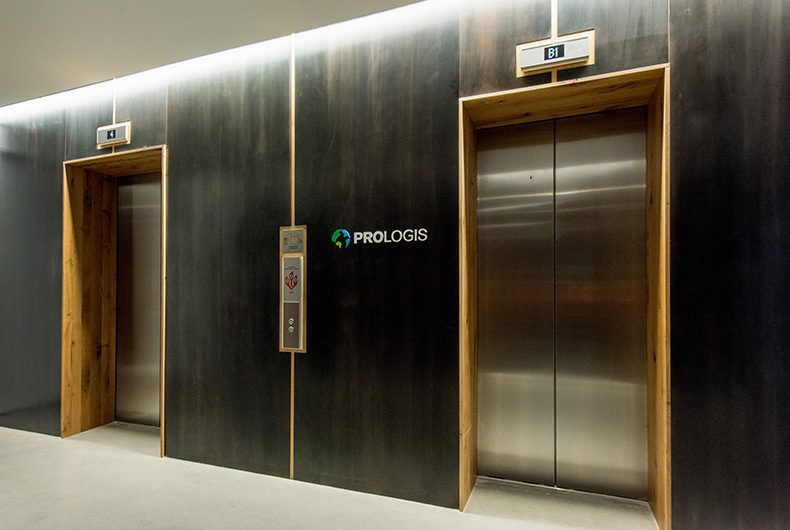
(112, 477)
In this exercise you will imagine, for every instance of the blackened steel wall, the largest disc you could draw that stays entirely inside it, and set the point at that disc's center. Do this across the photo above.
(377, 392)
(730, 264)
(30, 269)
(227, 387)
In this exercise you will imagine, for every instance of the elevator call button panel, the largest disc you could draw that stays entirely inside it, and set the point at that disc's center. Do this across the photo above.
(293, 256)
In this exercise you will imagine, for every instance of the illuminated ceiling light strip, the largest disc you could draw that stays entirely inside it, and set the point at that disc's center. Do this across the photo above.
(380, 25)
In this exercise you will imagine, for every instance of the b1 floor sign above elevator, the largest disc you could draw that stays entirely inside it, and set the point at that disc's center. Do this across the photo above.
(562, 288)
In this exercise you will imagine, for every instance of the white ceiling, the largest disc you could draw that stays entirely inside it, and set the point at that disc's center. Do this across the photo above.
(48, 46)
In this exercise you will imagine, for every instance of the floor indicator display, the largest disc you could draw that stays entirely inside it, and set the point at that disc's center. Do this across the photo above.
(293, 240)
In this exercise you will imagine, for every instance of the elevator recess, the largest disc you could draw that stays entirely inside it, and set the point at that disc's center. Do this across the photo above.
(114, 290)
(562, 288)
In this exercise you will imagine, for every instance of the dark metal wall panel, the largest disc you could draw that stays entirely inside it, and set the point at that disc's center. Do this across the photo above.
(87, 109)
(142, 99)
(490, 32)
(377, 391)
(730, 262)
(628, 33)
(227, 398)
(31, 154)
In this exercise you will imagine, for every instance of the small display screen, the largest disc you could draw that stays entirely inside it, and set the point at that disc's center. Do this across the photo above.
(111, 134)
(554, 52)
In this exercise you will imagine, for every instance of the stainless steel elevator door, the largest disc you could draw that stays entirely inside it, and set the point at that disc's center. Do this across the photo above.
(562, 397)
(601, 303)
(138, 299)
(516, 302)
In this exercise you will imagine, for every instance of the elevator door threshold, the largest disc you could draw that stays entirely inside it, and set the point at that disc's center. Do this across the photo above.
(542, 507)
(118, 435)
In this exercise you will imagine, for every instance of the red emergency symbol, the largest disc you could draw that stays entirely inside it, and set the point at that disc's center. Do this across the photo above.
(291, 280)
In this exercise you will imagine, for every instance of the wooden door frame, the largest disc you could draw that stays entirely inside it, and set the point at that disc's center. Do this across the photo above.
(89, 242)
(642, 87)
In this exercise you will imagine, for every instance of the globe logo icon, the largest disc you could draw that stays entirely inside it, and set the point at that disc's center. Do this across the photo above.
(341, 238)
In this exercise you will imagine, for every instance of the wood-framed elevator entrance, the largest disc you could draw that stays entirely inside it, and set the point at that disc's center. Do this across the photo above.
(90, 283)
(644, 87)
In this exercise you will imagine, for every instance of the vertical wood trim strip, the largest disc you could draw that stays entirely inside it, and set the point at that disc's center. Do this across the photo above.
(77, 193)
(91, 309)
(114, 99)
(554, 31)
(467, 209)
(463, 487)
(293, 395)
(163, 303)
(659, 476)
(664, 305)
(68, 325)
(292, 125)
(653, 223)
(554, 19)
(107, 291)
(292, 133)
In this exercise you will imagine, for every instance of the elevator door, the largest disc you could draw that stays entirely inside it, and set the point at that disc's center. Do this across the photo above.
(138, 299)
(562, 397)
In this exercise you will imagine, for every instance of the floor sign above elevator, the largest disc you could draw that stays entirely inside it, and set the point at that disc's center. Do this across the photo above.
(562, 303)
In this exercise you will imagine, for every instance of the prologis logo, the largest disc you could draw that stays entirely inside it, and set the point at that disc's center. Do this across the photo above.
(341, 238)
